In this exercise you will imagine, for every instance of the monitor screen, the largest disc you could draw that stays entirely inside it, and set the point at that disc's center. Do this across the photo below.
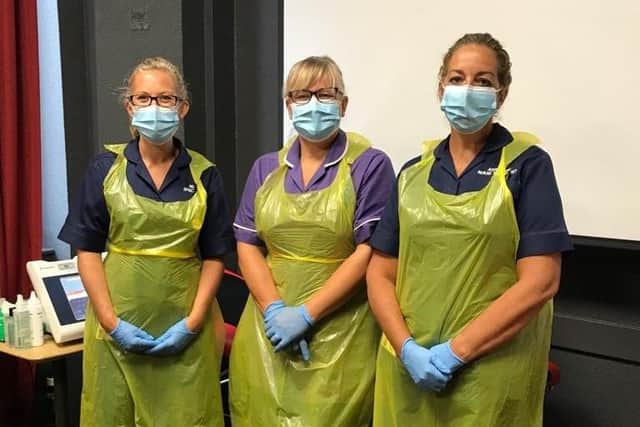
(76, 295)
(68, 297)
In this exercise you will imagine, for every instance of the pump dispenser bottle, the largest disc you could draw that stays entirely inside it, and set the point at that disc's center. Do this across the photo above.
(35, 320)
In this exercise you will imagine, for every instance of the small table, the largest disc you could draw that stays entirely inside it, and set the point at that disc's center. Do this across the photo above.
(50, 352)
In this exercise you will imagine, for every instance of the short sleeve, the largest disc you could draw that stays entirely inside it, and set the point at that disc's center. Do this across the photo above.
(216, 236)
(244, 225)
(539, 208)
(374, 185)
(87, 224)
(386, 237)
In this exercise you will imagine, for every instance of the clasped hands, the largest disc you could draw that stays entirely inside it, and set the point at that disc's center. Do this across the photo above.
(430, 368)
(133, 339)
(285, 325)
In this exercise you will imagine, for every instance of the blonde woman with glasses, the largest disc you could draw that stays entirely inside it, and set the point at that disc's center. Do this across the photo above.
(150, 350)
(306, 343)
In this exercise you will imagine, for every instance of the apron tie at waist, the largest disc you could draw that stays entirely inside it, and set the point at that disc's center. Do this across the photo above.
(152, 252)
(309, 259)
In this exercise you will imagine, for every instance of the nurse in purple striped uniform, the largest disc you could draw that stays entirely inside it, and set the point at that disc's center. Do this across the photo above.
(304, 351)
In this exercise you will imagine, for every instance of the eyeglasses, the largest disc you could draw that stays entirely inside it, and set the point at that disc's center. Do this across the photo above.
(327, 95)
(144, 100)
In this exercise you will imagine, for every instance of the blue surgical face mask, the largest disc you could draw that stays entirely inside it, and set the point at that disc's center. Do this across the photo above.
(315, 121)
(468, 108)
(156, 124)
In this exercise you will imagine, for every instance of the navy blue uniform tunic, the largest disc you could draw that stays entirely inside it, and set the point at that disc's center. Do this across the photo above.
(530, 179)
(87, 224)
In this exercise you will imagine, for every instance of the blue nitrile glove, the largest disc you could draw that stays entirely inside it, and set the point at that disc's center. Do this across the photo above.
(287, 325)
(303, 347)
(174, 340)
(445, 359)
(272, 309)
(131, 338)
(418, 361)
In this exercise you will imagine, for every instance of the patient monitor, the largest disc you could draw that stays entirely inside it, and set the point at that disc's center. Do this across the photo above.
(63, 297)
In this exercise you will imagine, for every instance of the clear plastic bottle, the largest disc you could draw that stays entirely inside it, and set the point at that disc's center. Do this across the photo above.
(22, 323)
(2, 302)
(10, 326)
(35, 319)
(8, 323)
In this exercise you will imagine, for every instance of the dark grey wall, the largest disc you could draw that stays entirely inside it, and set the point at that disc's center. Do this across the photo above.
(101, 41)
(259, 59)
(76, 30)
(233, 60)
(125, 32)
(231, 55)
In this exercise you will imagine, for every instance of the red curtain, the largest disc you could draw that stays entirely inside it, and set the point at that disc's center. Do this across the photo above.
(20, 182)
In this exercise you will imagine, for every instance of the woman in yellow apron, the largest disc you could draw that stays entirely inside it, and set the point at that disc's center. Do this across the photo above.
(304, 350)
(151, 353)
(466, 261)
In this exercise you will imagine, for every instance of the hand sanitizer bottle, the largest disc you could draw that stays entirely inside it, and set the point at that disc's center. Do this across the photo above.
(35, 318)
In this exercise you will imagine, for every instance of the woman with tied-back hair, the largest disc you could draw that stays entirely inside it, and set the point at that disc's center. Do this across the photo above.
(466, 261)
(151, 353)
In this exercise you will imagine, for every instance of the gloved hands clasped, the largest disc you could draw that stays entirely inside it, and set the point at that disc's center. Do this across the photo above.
(431, 369)
(174, 340)
(285, 325)
(445, 359)
(133, 339)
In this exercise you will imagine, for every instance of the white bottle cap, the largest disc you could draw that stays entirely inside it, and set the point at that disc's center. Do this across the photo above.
(33, 297)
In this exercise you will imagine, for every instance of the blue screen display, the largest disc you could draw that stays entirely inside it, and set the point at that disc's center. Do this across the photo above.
(76, 295)
(68, 297)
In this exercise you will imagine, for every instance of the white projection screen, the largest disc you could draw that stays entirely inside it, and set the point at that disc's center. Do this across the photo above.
(576, 84)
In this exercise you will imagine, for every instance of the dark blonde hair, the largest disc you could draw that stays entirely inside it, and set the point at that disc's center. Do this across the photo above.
(156, 63)
(482, 39)
(306, 72)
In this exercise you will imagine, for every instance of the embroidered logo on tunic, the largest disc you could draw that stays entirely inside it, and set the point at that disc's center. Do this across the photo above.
(491, 171)
(189, 189)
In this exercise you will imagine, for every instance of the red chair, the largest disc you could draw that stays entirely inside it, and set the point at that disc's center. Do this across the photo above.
(231, 296)
(232, 288)
(553, 377)
(229, 333)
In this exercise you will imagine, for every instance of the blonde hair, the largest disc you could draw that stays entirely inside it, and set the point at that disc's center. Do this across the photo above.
(156, 63)
(306, 72)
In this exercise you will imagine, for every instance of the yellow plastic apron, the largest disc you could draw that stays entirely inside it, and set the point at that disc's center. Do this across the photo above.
(152, 273)
(457, 255)
(307, 236)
